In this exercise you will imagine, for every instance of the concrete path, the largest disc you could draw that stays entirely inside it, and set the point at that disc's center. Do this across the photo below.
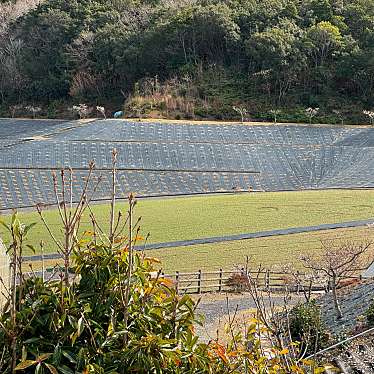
(220, 239)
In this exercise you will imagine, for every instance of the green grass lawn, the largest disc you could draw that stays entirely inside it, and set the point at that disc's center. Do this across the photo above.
(218, 215)
(268, 252)
(271, 252)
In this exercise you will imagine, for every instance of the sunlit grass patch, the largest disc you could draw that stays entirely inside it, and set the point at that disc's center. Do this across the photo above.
(219, 215)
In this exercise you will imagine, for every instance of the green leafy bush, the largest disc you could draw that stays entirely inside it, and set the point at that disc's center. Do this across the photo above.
(370, 315)
(307, 328)
(88, 325)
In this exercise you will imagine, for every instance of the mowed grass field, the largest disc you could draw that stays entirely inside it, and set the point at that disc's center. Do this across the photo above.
(272, 252)
(173, 219)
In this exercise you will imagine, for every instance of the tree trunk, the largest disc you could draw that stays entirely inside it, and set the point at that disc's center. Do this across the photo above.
(335, 298)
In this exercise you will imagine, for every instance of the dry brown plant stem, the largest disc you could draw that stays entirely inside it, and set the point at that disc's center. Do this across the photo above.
(132, 203)
(113, 197)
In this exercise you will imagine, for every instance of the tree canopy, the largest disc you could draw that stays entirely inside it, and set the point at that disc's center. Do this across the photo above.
(305, 53)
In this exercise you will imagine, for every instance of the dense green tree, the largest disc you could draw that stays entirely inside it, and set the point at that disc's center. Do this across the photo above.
(44, 36)
(266, 51)
(278, 51)
(323, 39)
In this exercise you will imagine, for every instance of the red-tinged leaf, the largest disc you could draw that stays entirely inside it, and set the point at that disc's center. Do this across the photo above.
(220, 352)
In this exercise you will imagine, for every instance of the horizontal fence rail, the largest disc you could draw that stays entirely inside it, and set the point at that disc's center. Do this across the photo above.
(239, 280)
(228, 280)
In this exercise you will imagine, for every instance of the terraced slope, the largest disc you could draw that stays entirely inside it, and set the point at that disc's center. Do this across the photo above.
(172, 159)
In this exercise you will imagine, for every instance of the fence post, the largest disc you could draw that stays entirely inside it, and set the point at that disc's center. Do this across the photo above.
(220, 280)
(177, 281)
(310, 288)
(267, 279)
(297, 282)
(199, 282)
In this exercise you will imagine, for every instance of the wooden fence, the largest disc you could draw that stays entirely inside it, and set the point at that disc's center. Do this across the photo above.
(237, 280)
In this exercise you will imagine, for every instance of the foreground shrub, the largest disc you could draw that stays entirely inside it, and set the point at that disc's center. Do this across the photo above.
(307, 327)
(88, 327)
(238, 282)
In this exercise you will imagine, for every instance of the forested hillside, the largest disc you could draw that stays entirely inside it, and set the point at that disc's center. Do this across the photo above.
(190, 58)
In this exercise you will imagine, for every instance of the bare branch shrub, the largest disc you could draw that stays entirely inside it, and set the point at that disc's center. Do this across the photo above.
(83, 110)
(337, 261)
(101, 110)
(70, 215)
(340, 115)
(242, 111)
(275, 113)
(33, 110)
(311, 112)
(370, 115)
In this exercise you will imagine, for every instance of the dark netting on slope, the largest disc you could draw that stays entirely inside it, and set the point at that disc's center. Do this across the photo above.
(11, 129)
(166, 159)
(24, 188)
(156, 132)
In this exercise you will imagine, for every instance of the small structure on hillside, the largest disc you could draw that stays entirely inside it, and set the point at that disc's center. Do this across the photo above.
(118, 114)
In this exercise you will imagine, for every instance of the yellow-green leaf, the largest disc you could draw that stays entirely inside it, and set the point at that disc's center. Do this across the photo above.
(51, 368)
(25, 364)
(43, 357)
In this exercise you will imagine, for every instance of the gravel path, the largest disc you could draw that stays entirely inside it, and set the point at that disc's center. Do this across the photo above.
(354, 301)
(213, 310)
